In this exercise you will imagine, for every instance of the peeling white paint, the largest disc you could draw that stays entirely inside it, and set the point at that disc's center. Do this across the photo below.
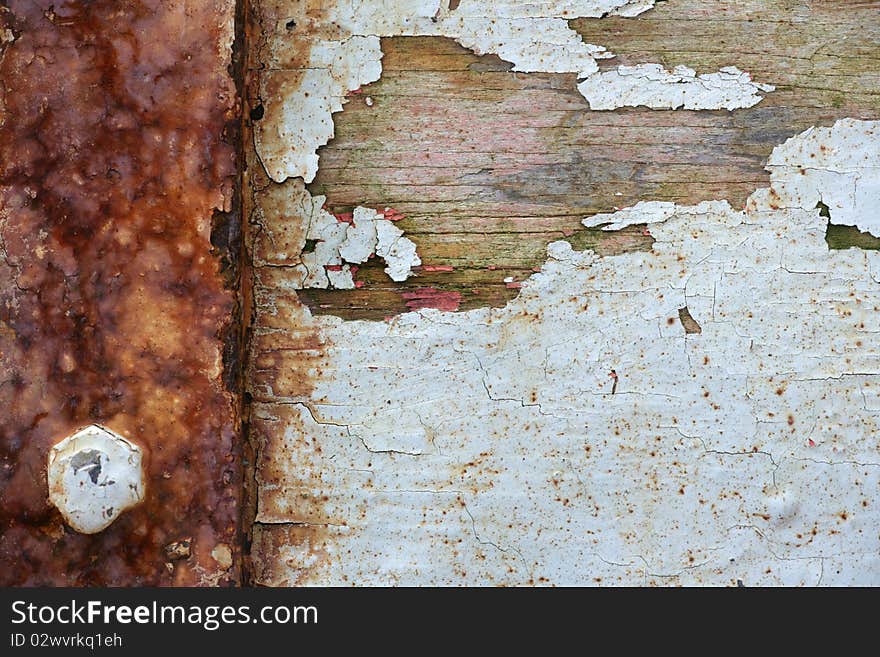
(94, 476)
(632, 8)
(312, 69)
(328, 235)
(361, 238)
(341, 279)
(839, 166)
(578, 435)
(336, 245)
(651, 85)
(396, 250)
(645, 212)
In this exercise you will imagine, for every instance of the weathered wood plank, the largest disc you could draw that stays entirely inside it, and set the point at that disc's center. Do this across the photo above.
(451, 139)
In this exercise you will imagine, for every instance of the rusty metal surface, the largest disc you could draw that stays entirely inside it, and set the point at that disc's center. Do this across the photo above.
(696, 407)
(117, 161)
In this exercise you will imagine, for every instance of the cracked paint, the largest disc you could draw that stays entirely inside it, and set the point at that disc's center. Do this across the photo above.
(320, 250)
(583, 434)
(650, 85)
(317, 54)
(838, 166)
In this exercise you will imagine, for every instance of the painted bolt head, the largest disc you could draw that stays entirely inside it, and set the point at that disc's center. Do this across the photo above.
(94, 476)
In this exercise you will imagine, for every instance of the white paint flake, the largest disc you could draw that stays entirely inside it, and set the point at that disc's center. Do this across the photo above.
(632, 8)
(330, 53)
(398, 252)
(327, 235)
(360, 239)
(341, 279)
(645, 212)
(579, 435)
(841, 168)
(320, 249)
(651, 85)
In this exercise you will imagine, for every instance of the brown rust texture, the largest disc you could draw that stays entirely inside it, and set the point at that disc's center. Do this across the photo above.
(488, 166)
(117, 159)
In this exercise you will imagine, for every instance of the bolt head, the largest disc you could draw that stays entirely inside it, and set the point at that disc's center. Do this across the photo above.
(94, 476)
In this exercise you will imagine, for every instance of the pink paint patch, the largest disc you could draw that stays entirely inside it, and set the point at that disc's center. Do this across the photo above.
(345, 217)
(333, 267)
(513, 286)
(430, 297)
(438, 268)
(358, 284)
(392, 215)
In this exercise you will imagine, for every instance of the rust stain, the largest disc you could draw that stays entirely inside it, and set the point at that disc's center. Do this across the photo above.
(116, 153)
(284, 547)
(282, 347)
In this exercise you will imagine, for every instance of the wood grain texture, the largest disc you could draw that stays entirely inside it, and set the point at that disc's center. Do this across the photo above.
(488, 166)
(117, 170)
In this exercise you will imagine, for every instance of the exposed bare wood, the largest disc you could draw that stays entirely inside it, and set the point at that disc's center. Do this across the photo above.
(454, 143)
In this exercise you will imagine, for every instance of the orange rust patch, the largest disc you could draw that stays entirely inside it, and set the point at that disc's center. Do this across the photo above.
(116, 154)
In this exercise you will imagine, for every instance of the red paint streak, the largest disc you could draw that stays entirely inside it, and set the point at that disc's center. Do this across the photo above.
(392, 215)
(354, 270)
(515, 285)
(345, 217)
(812, 442)
(333, 267)
(430, 297)
(438, 268)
